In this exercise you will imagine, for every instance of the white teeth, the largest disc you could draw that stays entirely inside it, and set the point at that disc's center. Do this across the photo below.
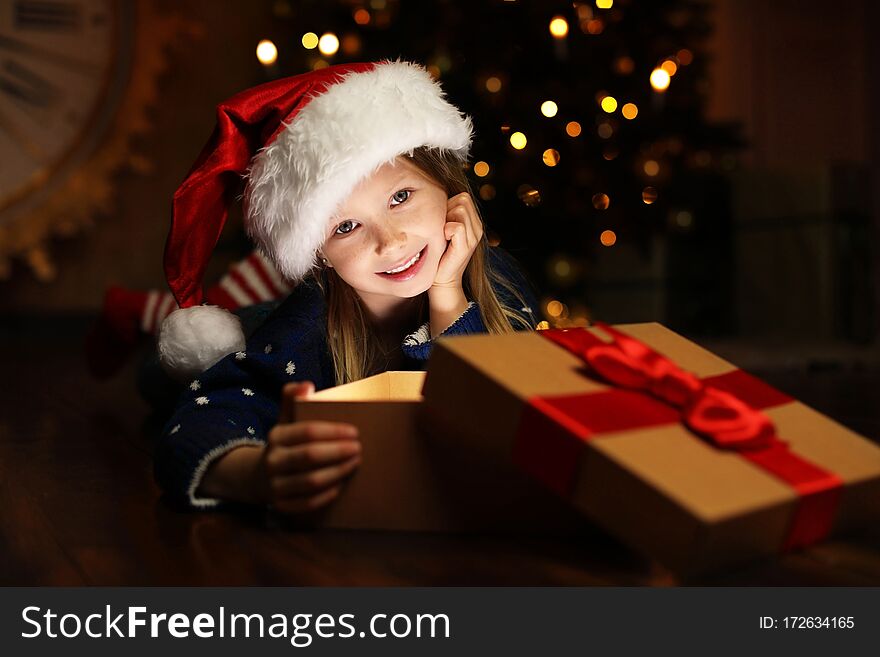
(405, 266)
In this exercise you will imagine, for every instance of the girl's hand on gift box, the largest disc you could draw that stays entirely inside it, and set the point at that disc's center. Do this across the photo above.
(463, 231)
(304, 463)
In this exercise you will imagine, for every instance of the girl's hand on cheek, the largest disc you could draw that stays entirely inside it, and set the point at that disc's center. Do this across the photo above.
(305, 463)
(463, 232)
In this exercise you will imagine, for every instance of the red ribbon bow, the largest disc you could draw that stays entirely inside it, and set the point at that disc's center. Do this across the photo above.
(725, 419)
(719, 416)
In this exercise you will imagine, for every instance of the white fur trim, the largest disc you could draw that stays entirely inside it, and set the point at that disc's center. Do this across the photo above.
(202, 468)
(422, 335)
(192, 339)
(336, 140)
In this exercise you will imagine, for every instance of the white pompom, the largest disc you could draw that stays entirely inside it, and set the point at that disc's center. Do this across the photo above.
(193, 339)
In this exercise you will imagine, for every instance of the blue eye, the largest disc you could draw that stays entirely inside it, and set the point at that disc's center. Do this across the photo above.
(345, 227)
(401, 196)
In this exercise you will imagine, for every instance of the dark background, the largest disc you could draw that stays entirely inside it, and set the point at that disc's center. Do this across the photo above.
(765, 143)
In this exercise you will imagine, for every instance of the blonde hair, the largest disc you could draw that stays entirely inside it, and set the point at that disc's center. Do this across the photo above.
(354, 347)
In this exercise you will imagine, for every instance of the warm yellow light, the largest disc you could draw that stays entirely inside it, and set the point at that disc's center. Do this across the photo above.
(559, 27)
(609, 104)
(329, 44)
(669, 66)
(551, 157)
(604, 4)
(528, 195)
(562, 268)
(267, 53)
(659, 79)
(362, 17)
(652, 168)
(518, 140)
(572, 128)
(649, 195)
(624, 65)
(543, 325)
(608, 238)
(601, 201)
(481, 169)
(549, 108)
(310, 40)
(493, 85)
(629, 111)
(554, 308)
(595, 26)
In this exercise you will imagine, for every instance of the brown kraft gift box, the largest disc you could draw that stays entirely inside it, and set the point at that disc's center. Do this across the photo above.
(409, 482)
(655, 484)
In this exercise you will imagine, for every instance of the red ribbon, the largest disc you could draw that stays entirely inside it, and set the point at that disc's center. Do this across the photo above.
(651, 390)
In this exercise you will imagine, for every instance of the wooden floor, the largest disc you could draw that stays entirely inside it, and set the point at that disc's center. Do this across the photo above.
(78, 504)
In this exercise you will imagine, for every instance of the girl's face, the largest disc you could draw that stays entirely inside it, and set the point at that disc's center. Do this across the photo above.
(387, 238)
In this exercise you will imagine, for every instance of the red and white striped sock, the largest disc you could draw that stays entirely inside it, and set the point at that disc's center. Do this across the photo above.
(246, 283)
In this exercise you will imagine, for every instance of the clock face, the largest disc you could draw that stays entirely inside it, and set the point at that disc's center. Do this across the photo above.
(59, 68)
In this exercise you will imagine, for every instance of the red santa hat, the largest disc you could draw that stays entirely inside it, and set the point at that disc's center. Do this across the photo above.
(302, 143)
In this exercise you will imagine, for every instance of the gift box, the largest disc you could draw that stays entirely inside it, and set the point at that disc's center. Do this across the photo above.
(670, 448)
(410, 481)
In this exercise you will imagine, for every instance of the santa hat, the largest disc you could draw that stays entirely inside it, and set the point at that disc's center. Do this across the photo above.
(303, 143)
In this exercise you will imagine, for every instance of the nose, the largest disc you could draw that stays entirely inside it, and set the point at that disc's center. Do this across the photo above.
(389, 237)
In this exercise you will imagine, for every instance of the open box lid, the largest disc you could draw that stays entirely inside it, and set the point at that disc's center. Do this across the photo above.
(388, 386)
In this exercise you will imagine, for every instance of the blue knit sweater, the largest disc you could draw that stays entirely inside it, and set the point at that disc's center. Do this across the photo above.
(236, 402)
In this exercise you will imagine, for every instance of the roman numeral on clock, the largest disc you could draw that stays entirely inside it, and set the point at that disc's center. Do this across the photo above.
(23, 85)
(47, 15)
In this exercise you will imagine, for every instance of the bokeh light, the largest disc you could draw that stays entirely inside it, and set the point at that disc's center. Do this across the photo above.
(601, 201)
(487, 192)
(518, 140)
(267, 53)
(559, 27)
(573, 128)
(310, 40)
(649, 195)
(362, 16)
(659, 79)
(549, 108)
(605, 131)
(609, 104)
(629, 111)
(604, 4)
(328, 44)
(608, 238)
(624, 65)
(651, 167)
(493, 85)
(481, 169)
(528, 195)
(551, 157)
(670, 67)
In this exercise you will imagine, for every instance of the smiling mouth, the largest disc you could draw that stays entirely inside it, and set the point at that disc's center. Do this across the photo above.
(406, 265)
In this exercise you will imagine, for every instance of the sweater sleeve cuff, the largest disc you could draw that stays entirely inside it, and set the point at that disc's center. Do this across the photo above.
(200, 501)
(417, 345)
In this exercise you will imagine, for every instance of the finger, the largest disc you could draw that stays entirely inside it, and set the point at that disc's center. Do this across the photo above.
(453, 229)
(294, 433)
(289, 393)
(301, 458)
(314, 481)
(306, 504)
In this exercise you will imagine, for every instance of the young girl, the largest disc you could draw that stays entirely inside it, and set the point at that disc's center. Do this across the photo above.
(357, 190)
